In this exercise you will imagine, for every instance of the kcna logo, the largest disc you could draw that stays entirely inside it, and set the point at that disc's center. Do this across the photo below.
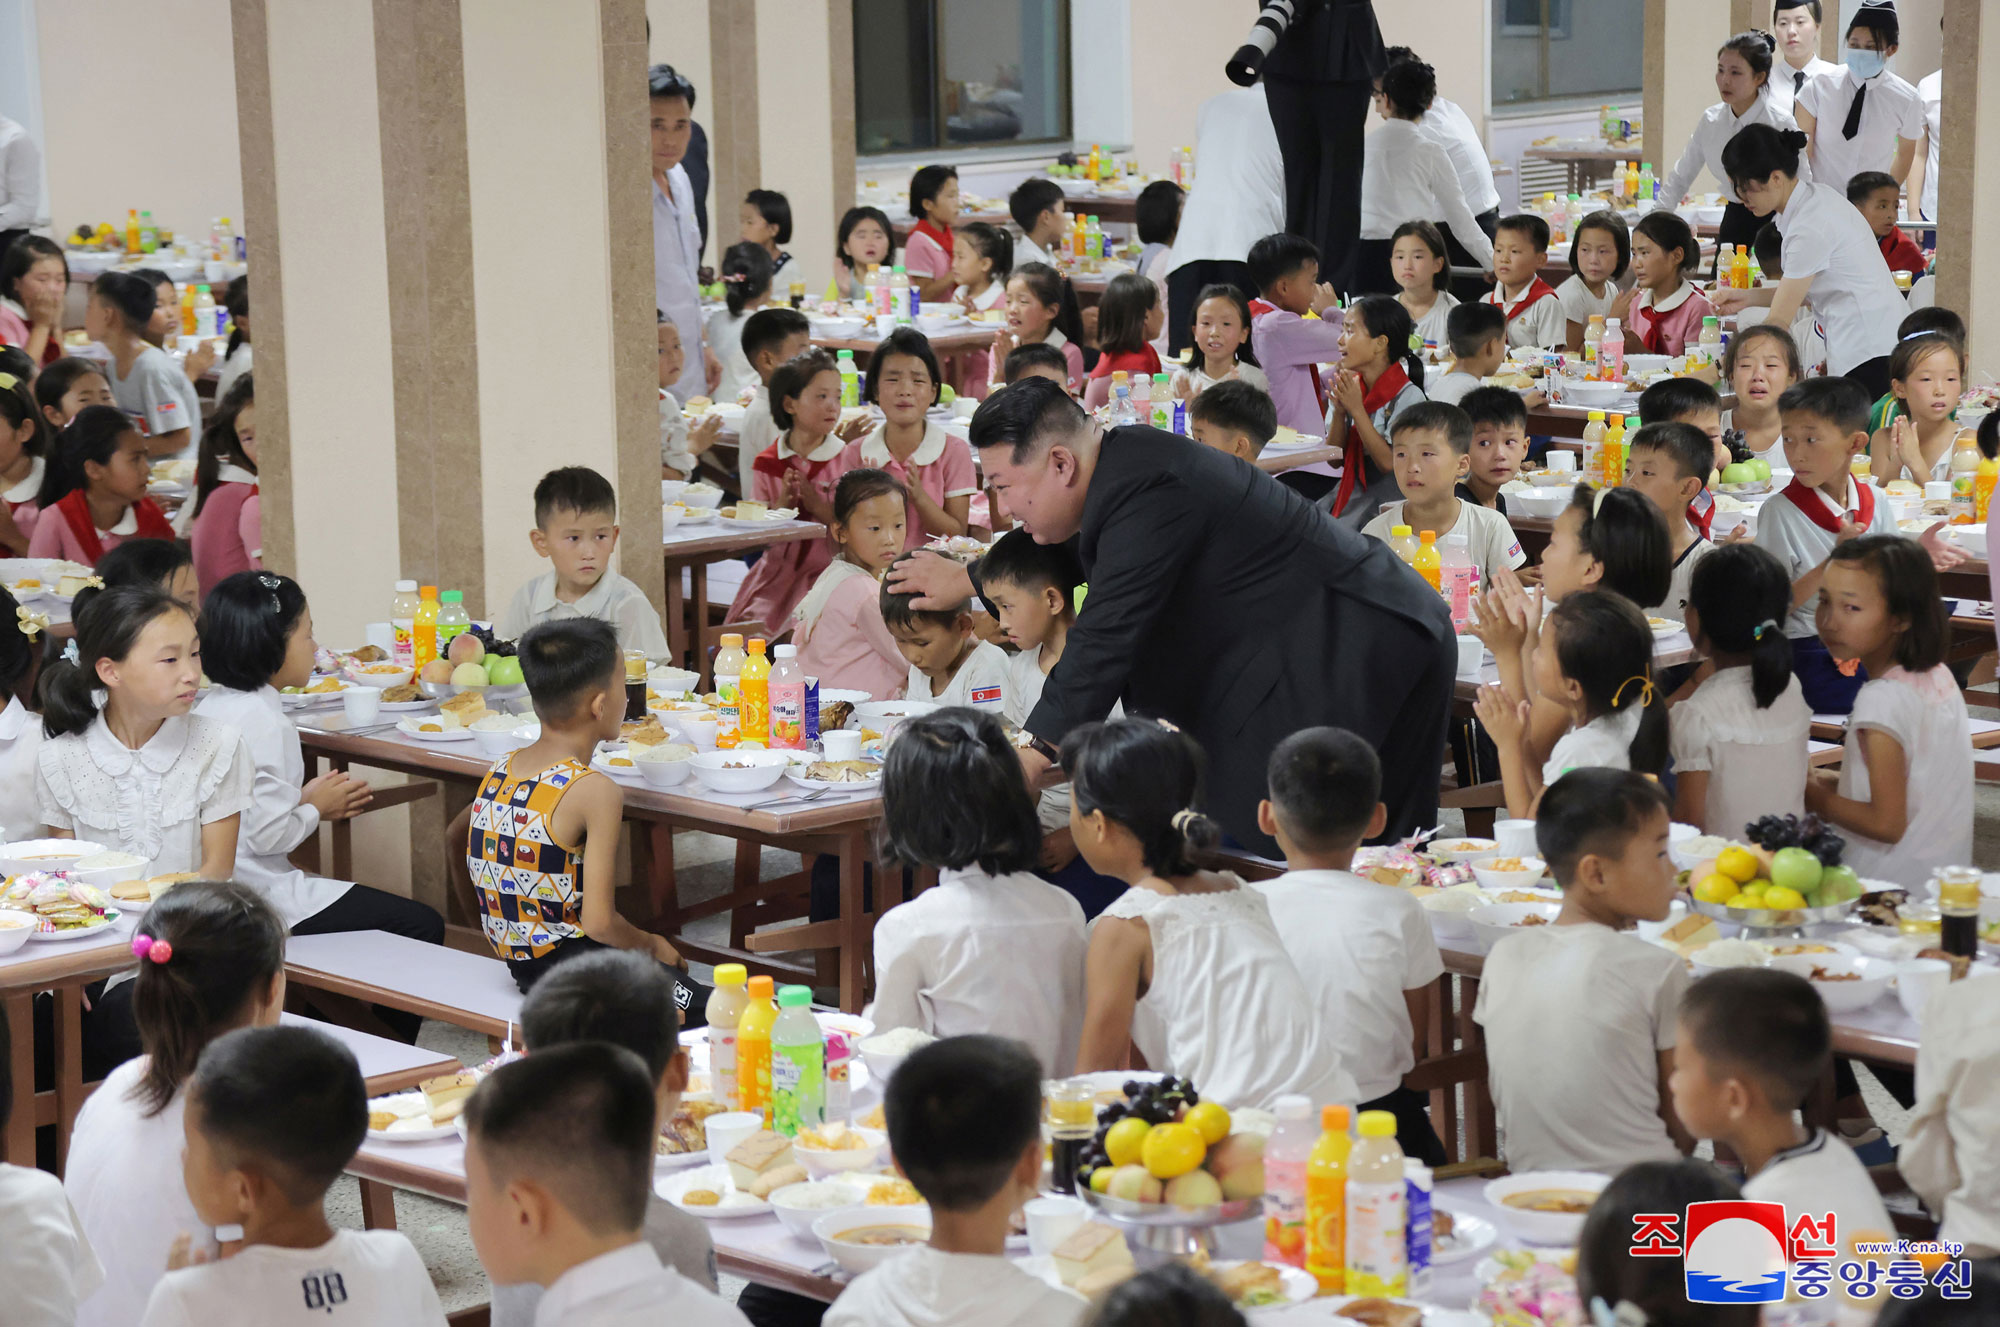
(1739, 1252)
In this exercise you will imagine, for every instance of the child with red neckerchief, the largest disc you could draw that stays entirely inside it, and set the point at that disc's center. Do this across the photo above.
(1535, 316)
(93, 495)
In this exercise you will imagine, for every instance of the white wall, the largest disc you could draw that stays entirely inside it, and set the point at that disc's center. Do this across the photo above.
(139, 110)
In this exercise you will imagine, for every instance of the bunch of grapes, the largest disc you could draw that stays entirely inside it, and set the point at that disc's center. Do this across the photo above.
(1811, 833)
(1735, 441)
(492, 642)
(1156, 1103)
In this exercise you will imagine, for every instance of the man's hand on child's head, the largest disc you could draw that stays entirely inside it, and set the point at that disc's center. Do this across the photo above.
(939, 581)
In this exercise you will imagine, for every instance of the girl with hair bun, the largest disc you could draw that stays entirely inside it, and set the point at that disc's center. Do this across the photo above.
(1197, 949)
(1743, 81)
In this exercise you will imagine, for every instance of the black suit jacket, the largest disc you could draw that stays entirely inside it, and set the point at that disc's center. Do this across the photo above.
(1329, 41)
(1221, 600)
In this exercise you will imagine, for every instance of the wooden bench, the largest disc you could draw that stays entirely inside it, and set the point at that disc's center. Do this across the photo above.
(433, 981)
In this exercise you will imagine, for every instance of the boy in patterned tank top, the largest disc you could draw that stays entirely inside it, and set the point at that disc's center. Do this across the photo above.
(543, 851)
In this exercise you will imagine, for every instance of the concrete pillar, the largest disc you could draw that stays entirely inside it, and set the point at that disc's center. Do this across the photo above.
(1968, 264)
(1679, 72)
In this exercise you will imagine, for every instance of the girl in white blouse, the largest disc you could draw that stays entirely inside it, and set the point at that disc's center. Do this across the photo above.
(1422, 267)
(1739, 742)
(1186, 964)
(990, 948)
(1599, 255)
(257, 637)
(211, 958)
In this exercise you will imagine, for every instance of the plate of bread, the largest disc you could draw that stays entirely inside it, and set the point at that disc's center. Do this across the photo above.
(453, 721)
(135, 896)
(427, 1112)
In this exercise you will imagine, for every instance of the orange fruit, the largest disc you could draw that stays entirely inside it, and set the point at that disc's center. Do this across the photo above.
(1171, 1150)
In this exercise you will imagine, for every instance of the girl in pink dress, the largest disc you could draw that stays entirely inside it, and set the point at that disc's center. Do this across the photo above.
(799, 470)
(227, 535)
(1662, 312)
(934, 466)
(1041, 306)
(838, 626)
(23, 440)
(94, 495)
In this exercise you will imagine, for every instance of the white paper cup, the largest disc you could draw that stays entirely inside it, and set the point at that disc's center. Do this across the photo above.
(1051, 1221)
(840, 744)
(1515, 837)
(698, 729)
(1937, 490)
(1471, 655)
(725, 1131)
(1561, 460)
(382, 635)
(361, 704)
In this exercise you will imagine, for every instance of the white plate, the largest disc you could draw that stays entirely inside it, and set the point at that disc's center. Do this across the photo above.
(670, 1161)
(407, 706)
(408, 727)
(698, 516)
(622, 773)
(1470, 1236)
(1299, 1285)
(306, 699)
(714, 1177)
(106, 922)
(455, 1129)
(797, 775)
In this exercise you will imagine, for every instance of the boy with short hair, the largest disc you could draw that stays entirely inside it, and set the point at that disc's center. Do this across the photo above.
(1687, 401)
(1037, 359)
(1477, 335)
(274, 1114)
(1606, 997)
(1534, 315)
(1741, 1081)
(771, 336)
(1239, 421)
(1826, 427)
(680, 446)
(623, 999)
(949, 665)
(1880, 200)
(964, 1117)
(1037, 208)
(1499, 418)
(1365, 950)
(1285, 269)
(1430, 445)
(558, 1171)
(543, 848)
(1669, 464)
(576, 529)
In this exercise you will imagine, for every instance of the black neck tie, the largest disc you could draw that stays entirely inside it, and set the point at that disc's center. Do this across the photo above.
(1798, 82)
(1853, 124)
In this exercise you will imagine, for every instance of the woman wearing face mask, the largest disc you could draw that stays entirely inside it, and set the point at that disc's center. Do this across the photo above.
(1866, 118)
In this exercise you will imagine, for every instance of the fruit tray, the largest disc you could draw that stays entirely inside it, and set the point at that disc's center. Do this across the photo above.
(1775, 919)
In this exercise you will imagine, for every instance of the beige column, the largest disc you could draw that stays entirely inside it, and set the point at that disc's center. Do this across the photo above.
(735, 147)
(1681, 40)
(1968, 271)
(809, 153)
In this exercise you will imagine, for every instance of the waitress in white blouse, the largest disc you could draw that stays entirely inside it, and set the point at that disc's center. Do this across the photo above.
(1407, 177)
(1831, 258)
(1743, 78)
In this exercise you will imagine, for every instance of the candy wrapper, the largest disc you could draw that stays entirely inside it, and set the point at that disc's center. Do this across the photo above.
(1446, 874)
(1531, 1294)
(1390, 866)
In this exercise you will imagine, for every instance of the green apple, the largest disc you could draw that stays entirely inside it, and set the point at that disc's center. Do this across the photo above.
(503, 670)
(1795, 868)
(946, 395)
(1738, 472)
(1759, 467)
(1839, 884)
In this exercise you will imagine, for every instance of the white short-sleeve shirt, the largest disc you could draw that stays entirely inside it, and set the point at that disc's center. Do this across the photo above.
(613, 599)
(1952, 1154)
(1787, 532)
(156, 393)
(1489, 538)
(1359, 946)
(630, 1287)
(1579, 304)
(1925, 713)
(1603, 743)
(153, 801)
(927, 1287)
(46, 1261)
(1755, 757)
(1892, 110)
(980, 682)
(1823, 1175)
(1682, 583)
(1855, 297)
(372, 1277)
(1431, 327)
(1609, 1001)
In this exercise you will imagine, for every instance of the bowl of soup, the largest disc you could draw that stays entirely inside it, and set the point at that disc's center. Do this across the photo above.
(15, 928)
(860, 1238)
(24, 855)
(1546, 1206)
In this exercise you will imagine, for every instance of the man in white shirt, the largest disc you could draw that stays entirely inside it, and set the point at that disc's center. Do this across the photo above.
(676, 234)
(964, 1118)
(1365, 950)
(1864, 118)
(22, 207)
(1238, 197)
(558, 1169)
(1797, 25)
(1952, 1155)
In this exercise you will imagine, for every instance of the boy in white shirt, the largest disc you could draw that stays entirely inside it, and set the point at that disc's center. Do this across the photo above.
(626, 999)
(1534, 315)
(1952, 1154)
(770, 337)
(1741, 1081)
(1365, 950)
(1038, 209)
(558, 1171)
(680, 446)
(1477, 335)
(1499, 418)
(1669, 463)
(576, 529)
(1603, 1000)
(1240, 421)
(46, 1261)
(949, 665)
(273, 1116)
(1430, 445)
(964, 1118)
(1826, 427)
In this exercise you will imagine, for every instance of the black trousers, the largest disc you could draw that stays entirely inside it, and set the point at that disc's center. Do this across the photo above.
(1414, 1133)
(691, 996)
(1872, 374)
(365, 909)
(1470, 288)
(1320, 127)
(1184, 286)
(1370, 272)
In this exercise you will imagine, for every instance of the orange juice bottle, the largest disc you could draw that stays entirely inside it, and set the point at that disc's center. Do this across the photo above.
(425, 630)
(1326, 1202)
(753, 709)
(131, 230)
(753, 1044)
(1428, 561)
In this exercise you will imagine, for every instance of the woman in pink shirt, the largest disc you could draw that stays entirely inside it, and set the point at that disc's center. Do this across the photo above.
(838, 627)
(1662, 313)
(227, 535)
(94, 495)
(914, 449)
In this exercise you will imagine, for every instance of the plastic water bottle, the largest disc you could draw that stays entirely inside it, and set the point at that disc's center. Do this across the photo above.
(149, 234)
(850, 379)
(788, 700)
(798, 1062)
(1403, 542)
(753, 710)
(453, 621)
(899, 294)
(1377, 1211)
(726, 1004)
(1326, 1201)
(1122, 411)
(1285, 1158)
(204, 313)
(753, 1047)
(403, 624)
(1163, 402)
(1142, 398)
(729, 661)
(1646, 182)
(1611, 351)
(1458, 578)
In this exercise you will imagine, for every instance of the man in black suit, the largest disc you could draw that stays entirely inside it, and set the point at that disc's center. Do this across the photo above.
(1220, 600)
